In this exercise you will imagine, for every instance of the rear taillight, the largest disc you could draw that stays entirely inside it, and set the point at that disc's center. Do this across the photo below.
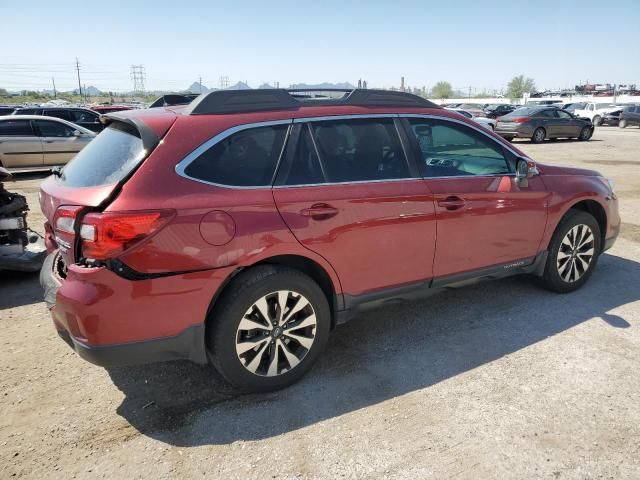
(106, 235)
(520, 119)
(65, 218)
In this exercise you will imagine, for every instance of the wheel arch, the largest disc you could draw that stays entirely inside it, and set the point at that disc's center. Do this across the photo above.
(297, 262)
(590, 206)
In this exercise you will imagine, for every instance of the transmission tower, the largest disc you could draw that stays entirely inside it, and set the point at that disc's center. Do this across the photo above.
(137, 75)
(224, 82)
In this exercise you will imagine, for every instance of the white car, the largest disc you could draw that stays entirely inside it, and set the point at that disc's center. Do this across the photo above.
(488, 123)
(595, 111)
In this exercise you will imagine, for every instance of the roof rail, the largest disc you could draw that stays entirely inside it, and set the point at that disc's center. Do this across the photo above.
(245, 101)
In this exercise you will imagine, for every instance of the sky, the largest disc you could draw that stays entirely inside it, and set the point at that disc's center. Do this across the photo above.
(478, 44)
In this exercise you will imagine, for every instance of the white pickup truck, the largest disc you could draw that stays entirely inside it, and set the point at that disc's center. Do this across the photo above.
(595, 111)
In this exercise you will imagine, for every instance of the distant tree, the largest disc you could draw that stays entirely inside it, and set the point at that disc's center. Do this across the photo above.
(442, 90)
(520, 85)
(3, 92)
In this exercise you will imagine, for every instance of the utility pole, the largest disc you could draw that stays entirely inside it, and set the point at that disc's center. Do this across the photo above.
(200, 83)
(78, 71)
(224, 82)
(55, 94)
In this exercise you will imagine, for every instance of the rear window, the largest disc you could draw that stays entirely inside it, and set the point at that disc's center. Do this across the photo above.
(107, 159)
(522, 112)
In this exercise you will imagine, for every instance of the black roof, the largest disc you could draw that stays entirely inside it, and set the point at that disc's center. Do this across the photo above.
(244, 101)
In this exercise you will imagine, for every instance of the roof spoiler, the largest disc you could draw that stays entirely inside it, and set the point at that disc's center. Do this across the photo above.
(245, 101)
(172, 99)
(149, 138)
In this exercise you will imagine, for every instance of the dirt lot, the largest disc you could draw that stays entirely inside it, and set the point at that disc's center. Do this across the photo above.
(498, 380)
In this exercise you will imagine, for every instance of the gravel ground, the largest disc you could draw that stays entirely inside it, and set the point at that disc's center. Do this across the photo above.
(497, 380)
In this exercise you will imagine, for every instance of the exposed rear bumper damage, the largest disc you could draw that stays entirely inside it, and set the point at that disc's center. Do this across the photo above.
(111, 321)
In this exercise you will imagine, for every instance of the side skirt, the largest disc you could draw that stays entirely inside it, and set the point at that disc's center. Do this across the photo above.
(357, 303)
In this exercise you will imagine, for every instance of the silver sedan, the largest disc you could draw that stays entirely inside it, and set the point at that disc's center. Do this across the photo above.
(33, 142)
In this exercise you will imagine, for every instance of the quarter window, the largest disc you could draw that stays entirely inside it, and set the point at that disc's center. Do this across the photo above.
(360, 150)
(450, 149)
(247, 158)
(16, 128)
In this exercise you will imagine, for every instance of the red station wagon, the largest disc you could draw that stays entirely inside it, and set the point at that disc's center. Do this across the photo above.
(240, 229)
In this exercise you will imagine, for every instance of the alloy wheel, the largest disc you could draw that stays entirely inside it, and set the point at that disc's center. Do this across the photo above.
(576, 253)
(276, 333)
(539, 135)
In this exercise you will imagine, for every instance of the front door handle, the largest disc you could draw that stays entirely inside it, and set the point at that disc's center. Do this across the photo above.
(452, 202)
(319, 211)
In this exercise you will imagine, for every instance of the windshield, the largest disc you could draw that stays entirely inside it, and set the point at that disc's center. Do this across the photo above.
(522, 112)
(107, 159)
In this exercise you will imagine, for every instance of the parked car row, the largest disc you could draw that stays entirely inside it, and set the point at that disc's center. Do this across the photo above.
(31, 142)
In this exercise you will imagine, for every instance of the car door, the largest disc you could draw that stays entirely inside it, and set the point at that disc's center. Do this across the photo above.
(20, 147)
(569, 126)
(550, 122)
(59, 141)
(484, 217)
(347, 192)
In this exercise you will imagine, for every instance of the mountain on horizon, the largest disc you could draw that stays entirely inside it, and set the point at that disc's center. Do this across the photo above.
(239, 86)
(265, 85)
(197, 88)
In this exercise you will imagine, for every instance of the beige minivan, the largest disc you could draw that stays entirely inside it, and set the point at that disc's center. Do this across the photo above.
(33, 142)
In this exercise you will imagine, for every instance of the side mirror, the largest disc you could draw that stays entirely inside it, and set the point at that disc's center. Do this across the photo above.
(524, 171)
(77, 133)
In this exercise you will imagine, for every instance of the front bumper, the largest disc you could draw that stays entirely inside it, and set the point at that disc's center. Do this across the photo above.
(110, 320)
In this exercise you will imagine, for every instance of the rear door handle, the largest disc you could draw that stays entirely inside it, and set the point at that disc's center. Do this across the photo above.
(452, 203)
(319, 211)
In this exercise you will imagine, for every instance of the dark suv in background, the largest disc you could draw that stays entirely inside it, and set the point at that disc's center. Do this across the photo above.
(80, 116)
(499, 109)
(242, 228)
(630, 115)
(539, 123)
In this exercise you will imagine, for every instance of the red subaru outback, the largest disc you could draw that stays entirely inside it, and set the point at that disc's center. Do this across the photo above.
(241, 228)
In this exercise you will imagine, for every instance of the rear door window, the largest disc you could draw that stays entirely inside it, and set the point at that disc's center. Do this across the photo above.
(360, 150)
(107, 159)
(48, 128)
(247, 158)
(82, 116)
(16, 128)
(63, 114)
(300, 165)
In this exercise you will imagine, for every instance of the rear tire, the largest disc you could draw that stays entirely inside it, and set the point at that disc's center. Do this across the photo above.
(538, 135)
(258, 336)
(597, 120)
(573, 252)
(622, 123)
(585, 134)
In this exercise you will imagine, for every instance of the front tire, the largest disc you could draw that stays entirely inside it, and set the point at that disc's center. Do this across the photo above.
(268, 329)
(538, 135)
(573, 252)
(585, 134)
(622, 123)
(597, 120)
